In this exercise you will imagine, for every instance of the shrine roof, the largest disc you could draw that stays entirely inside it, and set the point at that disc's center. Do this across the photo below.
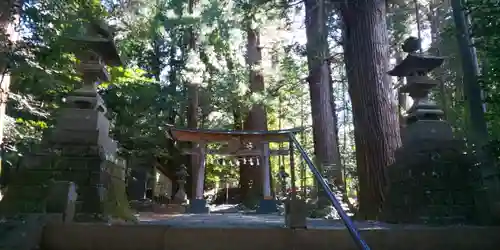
(211, 135)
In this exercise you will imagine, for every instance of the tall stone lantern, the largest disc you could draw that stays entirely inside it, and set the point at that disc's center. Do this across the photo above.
(83, 123)
(431, 179)
(78, 149)
(424, 119)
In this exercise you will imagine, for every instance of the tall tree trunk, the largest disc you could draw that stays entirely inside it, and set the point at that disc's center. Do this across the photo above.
(9, 20)
(251, 176)
(472, 89)
(238, 121)
(366, 49)
(321, 93)
(193, 100)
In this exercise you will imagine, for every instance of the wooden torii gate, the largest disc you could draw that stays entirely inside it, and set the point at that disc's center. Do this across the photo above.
(249, 143)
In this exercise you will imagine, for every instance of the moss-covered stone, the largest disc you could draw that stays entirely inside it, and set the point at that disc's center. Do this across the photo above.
(100, 187)
(115, 202)
(433, 183)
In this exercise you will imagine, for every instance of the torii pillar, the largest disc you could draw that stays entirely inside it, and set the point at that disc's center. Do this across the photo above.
(198, 205)
(267, 204)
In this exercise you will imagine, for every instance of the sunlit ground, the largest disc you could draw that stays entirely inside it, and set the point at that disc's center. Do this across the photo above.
(228, 216)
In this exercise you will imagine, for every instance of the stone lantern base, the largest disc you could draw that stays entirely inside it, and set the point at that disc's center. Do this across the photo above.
(180, 196)
(267, 206)
(431, 183)
(198, 206)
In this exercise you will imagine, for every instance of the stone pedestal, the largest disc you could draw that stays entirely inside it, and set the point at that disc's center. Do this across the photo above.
(267, 206)
(433, 130)
(198, 206)
(180, 196)
(295, 214)
(81, 139)
(431, 183)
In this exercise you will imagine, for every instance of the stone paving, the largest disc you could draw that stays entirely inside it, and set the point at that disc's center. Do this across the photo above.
(216, 220)
(244, 221)
(227, 216)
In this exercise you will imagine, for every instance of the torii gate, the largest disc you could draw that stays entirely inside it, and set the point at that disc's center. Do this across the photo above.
(239, 143)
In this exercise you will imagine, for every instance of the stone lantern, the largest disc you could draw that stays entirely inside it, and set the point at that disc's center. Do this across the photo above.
(181, 197)
(78, 149)
(83, 124)
(424, 119)
(283, 177)
(95, 50)
(431, 179)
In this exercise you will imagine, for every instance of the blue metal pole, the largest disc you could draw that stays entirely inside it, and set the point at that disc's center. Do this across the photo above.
(336, 204)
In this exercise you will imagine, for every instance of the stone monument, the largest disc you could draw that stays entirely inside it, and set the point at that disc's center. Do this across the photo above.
(431, 179)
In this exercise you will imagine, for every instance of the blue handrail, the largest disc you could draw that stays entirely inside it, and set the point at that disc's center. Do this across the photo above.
(353, 231)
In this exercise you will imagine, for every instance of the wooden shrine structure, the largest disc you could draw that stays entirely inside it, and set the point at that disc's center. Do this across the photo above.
(237, 143)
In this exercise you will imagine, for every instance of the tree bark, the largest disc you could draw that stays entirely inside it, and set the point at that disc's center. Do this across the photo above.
(366, 49)
(472, 89)
(251, 176)
(320, 89)
(9, 19)
(193, 101)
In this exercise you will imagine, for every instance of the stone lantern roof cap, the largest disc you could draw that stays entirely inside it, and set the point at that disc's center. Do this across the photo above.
(416, 64)
(99, 39)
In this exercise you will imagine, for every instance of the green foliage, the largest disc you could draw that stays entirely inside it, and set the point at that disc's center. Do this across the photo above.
(485, 19)
(42, 65)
